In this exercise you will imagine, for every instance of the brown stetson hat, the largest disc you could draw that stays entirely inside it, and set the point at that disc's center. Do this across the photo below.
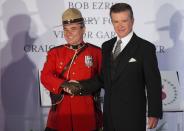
(72, 15)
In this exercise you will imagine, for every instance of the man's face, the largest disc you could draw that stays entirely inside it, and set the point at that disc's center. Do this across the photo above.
(122, 22)
(73, 33)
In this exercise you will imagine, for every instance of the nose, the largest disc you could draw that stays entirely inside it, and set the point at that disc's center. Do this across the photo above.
(120, 25)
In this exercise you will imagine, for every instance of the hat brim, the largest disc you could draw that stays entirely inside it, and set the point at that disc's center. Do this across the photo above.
(73, 21)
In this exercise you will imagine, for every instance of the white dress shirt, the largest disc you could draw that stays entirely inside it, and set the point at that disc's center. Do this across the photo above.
(124, 40)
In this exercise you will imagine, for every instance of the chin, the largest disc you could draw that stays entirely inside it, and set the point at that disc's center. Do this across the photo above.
(123, 35)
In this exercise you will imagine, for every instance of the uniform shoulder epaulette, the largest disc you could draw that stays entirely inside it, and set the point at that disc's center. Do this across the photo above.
(60, 46)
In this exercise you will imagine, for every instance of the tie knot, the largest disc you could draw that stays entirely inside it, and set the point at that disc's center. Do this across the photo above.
(119, 41)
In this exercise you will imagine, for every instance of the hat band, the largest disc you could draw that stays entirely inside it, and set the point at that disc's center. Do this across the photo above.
(73, 21)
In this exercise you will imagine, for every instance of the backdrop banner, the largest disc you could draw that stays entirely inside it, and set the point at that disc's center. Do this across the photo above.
(29, 28)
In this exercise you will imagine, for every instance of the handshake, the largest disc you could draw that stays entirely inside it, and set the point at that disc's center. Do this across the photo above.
(74, 88)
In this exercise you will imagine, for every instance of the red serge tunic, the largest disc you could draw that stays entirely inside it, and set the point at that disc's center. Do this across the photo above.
(74, 113)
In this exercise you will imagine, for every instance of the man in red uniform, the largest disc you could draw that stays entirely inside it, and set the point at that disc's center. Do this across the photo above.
(75, 60)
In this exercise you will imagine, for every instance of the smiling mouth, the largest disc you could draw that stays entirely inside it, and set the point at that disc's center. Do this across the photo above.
(122, 30)
(70, 37)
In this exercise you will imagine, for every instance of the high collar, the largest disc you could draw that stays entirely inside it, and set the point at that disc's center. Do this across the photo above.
(75, 47)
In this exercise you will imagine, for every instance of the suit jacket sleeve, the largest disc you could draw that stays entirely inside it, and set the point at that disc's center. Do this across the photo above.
(93, 85)
(96, 83)
(153, 81)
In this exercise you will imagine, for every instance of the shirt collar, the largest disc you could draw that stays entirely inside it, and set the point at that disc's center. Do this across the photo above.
(126, 39)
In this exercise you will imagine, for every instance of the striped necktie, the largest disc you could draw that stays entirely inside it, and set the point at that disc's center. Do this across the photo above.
(117, 49)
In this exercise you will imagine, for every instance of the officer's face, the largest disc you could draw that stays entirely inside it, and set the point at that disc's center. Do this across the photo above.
(73, 33)
(122, 22)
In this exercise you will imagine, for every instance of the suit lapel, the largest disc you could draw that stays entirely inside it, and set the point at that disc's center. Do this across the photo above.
(125, 55)
(107, 58)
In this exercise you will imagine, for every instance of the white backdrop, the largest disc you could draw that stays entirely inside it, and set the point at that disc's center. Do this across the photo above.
(29, 28)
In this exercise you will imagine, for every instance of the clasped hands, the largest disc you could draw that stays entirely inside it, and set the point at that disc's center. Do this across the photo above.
(73, 87)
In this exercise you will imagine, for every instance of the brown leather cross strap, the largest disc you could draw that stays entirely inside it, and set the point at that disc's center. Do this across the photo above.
(74, 57)
(57, 98)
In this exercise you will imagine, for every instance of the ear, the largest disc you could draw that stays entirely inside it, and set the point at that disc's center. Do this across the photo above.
(84, 29)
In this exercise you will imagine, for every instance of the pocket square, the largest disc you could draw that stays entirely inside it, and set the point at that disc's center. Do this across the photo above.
(132, 60)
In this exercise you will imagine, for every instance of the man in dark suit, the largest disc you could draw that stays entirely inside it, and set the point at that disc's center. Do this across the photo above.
(129, 75)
